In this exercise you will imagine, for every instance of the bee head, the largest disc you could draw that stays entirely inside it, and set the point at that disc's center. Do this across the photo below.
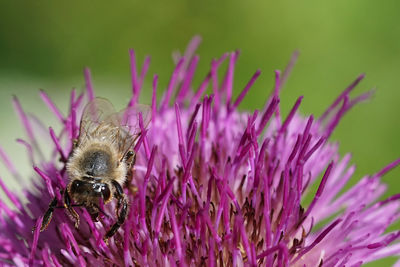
(81, 189)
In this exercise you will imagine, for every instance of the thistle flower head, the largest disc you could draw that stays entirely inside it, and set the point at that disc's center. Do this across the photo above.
(212, 186)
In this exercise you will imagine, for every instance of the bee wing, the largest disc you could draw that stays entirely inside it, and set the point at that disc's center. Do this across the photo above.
(94, 113)
(130, 118)
(99, 115)
(129, 122)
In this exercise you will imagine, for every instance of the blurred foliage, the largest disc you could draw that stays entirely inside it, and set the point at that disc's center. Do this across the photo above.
(47, 43)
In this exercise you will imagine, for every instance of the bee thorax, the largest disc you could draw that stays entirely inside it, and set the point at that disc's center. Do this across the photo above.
(96, 163)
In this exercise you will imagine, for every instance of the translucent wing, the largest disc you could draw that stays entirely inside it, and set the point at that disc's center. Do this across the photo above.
(131, 116)
(94, 113)
(99, 119)
(129, 122)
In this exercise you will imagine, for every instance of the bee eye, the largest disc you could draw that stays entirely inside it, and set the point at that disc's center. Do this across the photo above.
(105, 191)
(76, 186)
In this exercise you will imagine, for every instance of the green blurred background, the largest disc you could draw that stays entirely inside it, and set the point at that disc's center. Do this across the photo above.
(46, 44)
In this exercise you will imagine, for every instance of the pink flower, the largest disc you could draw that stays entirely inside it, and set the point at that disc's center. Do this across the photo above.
(212, 185)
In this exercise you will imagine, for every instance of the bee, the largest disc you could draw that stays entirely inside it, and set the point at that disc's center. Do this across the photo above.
(100, 161)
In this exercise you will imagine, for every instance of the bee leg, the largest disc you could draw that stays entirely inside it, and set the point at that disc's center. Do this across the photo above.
(48, 215)
(130, 158)
(68, 206)
(122, 210)
(119, 195)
